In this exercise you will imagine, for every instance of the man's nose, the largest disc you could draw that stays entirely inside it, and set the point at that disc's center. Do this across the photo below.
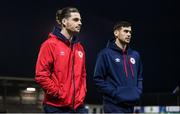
(80, 23)
(129, 34)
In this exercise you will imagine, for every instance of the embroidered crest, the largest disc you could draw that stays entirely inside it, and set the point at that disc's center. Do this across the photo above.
(132, 60)
(80, 54)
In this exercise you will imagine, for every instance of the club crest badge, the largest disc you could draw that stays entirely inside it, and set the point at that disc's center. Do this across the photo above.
(80, 54)
(132, 60)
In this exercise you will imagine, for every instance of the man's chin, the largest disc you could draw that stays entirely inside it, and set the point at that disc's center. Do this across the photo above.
(76, 32)
(127, 42)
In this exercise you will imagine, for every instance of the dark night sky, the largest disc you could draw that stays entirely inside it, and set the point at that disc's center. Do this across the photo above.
(25, 24)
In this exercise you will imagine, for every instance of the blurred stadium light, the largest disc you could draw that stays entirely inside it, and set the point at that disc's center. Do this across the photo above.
(28, 96)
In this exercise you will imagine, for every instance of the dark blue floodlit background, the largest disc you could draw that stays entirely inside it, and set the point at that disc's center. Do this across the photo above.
(25, 24)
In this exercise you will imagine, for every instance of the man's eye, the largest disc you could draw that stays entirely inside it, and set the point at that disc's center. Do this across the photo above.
(126, 31)
(76, 19)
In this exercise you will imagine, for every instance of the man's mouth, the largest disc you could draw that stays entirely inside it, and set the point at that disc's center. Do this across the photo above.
(78, 28)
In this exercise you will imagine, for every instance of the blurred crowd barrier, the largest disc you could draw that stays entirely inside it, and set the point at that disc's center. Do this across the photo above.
(23, 95)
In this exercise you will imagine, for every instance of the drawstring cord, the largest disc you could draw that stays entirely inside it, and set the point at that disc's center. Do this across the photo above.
(125, 65)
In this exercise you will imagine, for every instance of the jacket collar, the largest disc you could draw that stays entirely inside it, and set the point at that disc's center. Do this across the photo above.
(111, 44)
(57, 31)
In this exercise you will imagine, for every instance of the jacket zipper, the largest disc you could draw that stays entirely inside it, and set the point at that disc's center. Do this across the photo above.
(73, 78)
(125, 66)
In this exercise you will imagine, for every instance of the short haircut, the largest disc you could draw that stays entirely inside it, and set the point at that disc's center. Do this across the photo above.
(120, 24)
(65, 13)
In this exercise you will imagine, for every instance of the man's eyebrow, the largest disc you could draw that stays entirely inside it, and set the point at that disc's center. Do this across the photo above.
(76, 18)
(126, 30)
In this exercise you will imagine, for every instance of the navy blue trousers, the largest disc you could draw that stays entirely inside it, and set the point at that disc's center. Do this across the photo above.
(52, 109)
(117, 108)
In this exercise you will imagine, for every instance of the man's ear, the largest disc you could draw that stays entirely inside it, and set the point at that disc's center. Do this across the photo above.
(116, 32)
(64, 21)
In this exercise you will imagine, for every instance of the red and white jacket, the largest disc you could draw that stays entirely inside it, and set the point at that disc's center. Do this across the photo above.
(61, 72)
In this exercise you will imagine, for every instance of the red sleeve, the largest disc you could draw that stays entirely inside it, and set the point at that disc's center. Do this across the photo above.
(43, 70)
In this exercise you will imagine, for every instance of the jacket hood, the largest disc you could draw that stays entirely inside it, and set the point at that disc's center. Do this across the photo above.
(112, 45)
(57, 31)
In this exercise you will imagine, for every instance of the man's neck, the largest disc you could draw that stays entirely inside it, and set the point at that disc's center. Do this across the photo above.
(67, 34)
(120, 44)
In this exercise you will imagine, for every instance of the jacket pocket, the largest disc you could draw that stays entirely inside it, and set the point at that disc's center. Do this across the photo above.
(127, 94)
(62, 92)
(81, 92)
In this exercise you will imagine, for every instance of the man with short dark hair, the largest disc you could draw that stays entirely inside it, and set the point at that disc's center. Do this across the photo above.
(60, 68)
(118, 72)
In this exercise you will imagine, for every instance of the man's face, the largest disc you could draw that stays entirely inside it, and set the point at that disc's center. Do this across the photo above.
(73, 23)
(124, 34)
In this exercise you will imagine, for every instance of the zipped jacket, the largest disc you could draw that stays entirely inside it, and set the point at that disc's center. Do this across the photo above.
(61, 72)
(118, 75)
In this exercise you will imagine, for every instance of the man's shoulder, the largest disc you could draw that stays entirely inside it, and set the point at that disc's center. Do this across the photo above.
(134, 52)
(51, 39)
(80, 44)
(105, 51)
